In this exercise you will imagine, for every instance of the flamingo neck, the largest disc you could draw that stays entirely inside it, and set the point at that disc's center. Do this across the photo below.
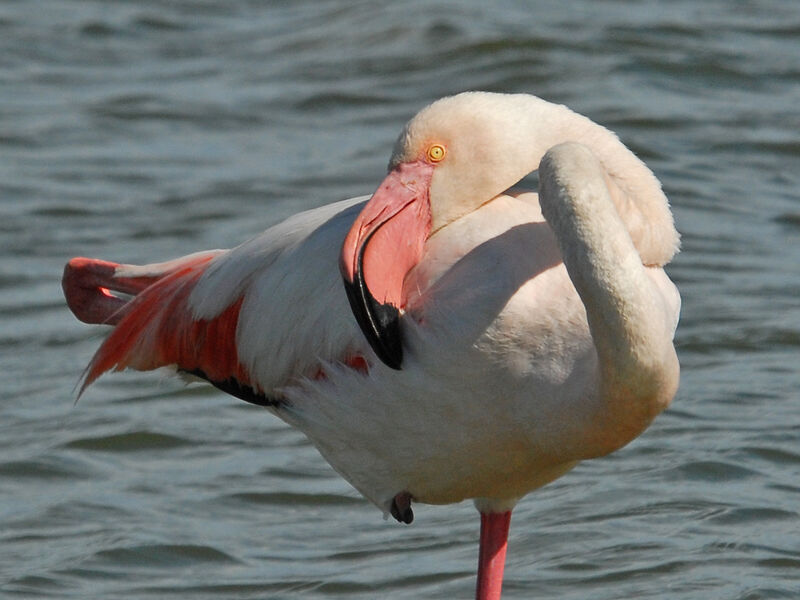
(492, 554)
(638, 368)
(634, 189)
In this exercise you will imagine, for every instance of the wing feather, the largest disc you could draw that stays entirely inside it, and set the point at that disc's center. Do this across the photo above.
(256, 317)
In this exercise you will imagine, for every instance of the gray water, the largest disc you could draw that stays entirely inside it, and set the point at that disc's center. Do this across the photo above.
(139, 131)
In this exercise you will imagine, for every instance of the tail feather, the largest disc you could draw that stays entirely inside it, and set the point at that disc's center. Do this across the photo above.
(156, 327)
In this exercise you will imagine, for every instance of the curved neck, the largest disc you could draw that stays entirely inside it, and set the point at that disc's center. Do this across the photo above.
(630, 327)
(634, 190)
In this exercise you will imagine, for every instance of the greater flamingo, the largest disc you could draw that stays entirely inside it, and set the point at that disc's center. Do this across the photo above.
(499, 337)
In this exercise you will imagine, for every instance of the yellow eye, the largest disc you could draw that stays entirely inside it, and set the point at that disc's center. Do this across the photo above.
(436, 153)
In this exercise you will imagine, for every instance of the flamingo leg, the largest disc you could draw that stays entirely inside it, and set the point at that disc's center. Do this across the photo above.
(492, 554)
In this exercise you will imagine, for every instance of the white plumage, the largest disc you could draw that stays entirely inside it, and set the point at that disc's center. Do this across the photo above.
(533, 335)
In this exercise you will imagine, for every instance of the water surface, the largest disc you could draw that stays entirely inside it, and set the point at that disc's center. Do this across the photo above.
(138, 131)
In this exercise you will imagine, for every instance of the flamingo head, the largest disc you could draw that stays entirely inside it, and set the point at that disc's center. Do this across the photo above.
(452, 157)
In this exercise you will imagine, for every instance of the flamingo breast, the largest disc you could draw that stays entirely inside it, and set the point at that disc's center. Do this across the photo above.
(464, 421)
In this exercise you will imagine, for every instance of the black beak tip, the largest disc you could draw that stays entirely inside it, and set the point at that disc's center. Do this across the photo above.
(379, 322)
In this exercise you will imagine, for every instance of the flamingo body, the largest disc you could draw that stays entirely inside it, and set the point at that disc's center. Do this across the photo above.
(499, 338)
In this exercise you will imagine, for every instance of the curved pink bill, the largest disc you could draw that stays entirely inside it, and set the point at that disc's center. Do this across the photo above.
(384, 243)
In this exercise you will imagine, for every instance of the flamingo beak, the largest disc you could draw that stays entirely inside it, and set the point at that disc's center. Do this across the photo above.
(384, 243)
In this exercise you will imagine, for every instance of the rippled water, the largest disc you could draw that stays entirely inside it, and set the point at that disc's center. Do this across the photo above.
(138, 131)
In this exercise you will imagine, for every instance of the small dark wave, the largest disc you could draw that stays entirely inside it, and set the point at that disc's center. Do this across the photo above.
(129, 442)
(164, 556)
(18, 141)
(289, 498)
(13, 280)
(30, 309)
(34, 586)
(64, 210)
(280, 472)
(784, 564)
(340, 100)
(751, 339)
(97, 29)
(627, 574)
(789, 220)
(287, 587)
(745, 515)
(173, 231)
(159, 23)
(787, 31)
(47, 469)
(788, 148)
(145, 107)
(667, 31)
(712, 470)
(780, 456)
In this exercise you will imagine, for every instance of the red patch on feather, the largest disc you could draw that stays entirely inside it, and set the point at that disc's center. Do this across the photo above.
(358, 362)
(158, 329)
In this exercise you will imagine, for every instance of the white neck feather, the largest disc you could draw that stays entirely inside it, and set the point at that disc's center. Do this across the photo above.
(637, 361)
(635, 191)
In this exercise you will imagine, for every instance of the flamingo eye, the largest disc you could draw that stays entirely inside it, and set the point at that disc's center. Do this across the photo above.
(436, 153)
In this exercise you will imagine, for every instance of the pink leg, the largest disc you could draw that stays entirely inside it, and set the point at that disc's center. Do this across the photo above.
(492, 554)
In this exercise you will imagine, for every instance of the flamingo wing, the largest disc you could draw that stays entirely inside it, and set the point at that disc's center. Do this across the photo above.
(206, 314)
